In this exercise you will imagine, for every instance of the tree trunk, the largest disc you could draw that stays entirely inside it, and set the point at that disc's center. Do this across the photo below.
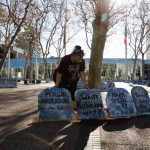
(25, 69)
(143, 67)
(133, 70)
(98, 43)
(30, 64)
(46, 70)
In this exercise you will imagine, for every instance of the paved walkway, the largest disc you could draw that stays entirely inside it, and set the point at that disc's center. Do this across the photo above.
(18, 107)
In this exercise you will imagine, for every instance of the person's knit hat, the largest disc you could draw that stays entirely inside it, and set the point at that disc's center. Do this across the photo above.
(77, 50)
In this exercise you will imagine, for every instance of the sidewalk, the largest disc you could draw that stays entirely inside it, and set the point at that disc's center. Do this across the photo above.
(18, 107)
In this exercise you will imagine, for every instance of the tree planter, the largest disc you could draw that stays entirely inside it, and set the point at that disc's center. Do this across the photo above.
(148, 83)
(38, 81)
(33, 81)
(26, 81)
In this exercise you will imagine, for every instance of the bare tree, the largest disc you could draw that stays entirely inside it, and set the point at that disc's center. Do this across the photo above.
(140, 30)
(133, 35)
(32, 31)
(98, 17)
(23, 43)
(48, 25)
(15, 13)
(53, 31)
(67, 29)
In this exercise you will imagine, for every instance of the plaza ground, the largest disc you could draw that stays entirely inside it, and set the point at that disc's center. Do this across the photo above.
(18, 108)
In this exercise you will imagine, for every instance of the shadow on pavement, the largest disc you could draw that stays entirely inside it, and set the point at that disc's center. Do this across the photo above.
(9, 123)
(86, 128)
(43, 136)
(142, 122)
(18, 96)
(125, 123)
(51, 136)
(119, 124)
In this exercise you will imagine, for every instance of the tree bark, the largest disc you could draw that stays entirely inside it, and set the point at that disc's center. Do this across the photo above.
(46, 69)
(98, 44)
(143, 67)
(133, 70)
(31, 66)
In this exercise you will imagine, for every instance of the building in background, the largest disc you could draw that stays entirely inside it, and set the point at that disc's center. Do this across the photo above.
(148, 43)
(15, 52)
(147, 66)
(112, 68)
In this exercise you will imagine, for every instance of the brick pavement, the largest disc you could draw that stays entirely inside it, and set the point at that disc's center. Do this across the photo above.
(93, 142)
